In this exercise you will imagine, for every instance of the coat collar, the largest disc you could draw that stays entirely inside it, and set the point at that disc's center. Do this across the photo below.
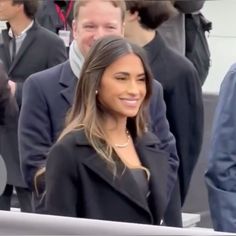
(5, 40)
(157, 45)
(152, 158)
(157, 162)
(68, 82)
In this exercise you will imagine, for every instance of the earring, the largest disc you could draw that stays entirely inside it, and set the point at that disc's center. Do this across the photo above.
(96, 92)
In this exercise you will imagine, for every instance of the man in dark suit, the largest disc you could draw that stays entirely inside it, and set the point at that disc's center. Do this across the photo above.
(182, 90)
(52, 91)
(25, 48)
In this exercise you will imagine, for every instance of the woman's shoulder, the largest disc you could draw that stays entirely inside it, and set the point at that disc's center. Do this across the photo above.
(66, 147)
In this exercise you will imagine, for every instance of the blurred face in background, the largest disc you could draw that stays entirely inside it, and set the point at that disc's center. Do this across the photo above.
(97, 18)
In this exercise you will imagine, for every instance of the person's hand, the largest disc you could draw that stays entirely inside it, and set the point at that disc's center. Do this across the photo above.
(12, 86)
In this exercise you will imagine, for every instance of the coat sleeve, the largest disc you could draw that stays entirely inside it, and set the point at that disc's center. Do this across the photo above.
(34, 131)
(221, 170)
(160, 127)
(61, 182)
(185, 114)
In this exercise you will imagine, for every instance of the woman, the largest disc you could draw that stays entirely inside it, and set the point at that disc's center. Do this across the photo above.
(106, 165)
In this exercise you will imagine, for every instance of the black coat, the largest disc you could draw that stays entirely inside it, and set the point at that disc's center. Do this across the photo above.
(80, 184)
(51, 91)
(40, 50)
(184, 104)
(183, 98)
(4, 94)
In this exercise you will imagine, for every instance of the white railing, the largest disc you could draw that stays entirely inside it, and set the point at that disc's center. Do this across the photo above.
(17, 223)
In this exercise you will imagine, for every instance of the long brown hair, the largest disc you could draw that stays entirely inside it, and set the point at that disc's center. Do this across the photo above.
(87, 112)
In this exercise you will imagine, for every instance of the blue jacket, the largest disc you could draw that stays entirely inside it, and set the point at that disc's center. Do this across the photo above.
(221, 170)
(46, 99)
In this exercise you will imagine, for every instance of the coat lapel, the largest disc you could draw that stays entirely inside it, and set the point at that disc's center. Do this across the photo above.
(25, 45)
(122, 182)
(5, 44)
(68, 83)
(157, 163)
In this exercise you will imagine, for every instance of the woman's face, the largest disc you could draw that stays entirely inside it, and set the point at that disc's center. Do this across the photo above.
(123, 86)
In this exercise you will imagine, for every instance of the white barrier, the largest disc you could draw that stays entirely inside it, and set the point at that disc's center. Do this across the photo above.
(17, 223)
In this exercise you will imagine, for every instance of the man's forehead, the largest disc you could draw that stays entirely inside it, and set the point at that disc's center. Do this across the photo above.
(99, 6)
(93, 11)
(100, 21)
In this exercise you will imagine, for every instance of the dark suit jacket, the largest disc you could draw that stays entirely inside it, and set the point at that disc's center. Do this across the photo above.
(40, 50)
(183, 97)
(51, 92)
(80, 184)
(4, 94)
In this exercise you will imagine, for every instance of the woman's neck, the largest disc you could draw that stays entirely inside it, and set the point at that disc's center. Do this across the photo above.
(116, 131)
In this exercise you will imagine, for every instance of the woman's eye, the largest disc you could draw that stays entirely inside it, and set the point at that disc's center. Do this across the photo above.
(120, 78)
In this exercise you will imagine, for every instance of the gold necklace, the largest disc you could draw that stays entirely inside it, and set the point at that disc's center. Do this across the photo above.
(124, 145)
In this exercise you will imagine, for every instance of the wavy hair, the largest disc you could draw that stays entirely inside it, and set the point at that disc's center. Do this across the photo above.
(87, 112)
